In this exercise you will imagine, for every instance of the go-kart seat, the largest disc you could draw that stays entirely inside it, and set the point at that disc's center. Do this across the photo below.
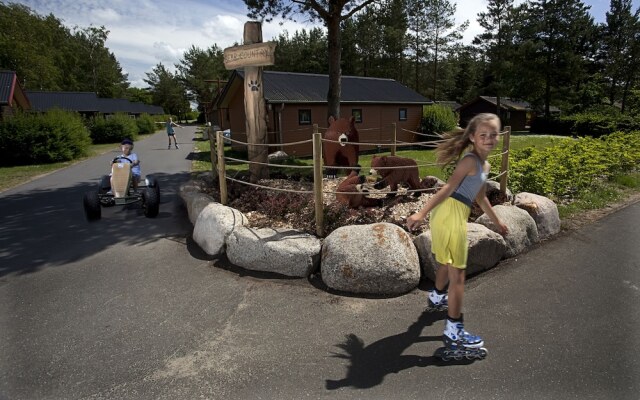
(120, 178)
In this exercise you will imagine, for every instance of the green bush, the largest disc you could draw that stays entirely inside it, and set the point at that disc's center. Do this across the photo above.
(575, 166)
(146, 124)
(437, 119)
(113, 129)
(591, 123)
(55, 136)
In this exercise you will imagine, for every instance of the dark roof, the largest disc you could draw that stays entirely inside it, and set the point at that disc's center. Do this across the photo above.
(10, 89)
(87, 102)
(73, 101)
(7, 80)
(291, 87)
(508, 103)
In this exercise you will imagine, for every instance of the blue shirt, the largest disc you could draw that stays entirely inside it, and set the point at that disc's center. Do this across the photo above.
(135, 170)
(471, 184)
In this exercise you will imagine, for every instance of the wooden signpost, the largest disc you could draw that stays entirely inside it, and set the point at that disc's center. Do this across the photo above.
(253, 55)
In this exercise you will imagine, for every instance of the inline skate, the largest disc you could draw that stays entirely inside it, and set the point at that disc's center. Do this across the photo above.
(460, 344)
(437, 302)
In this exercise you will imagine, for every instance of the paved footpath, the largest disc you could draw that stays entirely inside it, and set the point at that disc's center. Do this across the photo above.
(148, 316)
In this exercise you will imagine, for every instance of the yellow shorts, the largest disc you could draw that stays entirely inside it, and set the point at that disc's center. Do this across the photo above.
(449, 242)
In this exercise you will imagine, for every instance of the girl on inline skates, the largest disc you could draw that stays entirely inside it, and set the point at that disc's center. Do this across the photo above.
(450, 208)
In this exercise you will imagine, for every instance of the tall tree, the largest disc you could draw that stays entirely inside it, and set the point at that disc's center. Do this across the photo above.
(417, 38)
(302, 52)
(557, 43)
(197, 69)
(46, 55)
(497, 42)
(620, 46)
(167, 91)
(442, 33)
(331, 13)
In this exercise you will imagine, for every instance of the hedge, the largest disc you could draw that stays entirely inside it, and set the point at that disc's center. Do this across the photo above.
(55, 136)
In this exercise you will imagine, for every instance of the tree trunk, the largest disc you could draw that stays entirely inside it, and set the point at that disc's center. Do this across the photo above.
(335, 86)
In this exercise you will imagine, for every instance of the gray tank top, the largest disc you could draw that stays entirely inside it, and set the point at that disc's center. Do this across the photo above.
(471, 184)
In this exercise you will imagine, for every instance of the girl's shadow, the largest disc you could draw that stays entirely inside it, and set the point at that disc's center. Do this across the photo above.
(370, 364)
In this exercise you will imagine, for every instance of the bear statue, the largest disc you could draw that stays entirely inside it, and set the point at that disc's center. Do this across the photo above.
(353, 183)
(405, 170)
(342, 154)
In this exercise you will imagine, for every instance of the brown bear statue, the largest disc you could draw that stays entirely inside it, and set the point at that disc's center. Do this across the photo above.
(353, 183)
(342, 154)
(405, 170)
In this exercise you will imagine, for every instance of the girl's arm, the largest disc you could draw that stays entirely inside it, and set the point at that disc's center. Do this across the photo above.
(465, 167)
(484, 203)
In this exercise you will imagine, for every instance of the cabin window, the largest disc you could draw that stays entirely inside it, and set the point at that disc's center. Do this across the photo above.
(357, 114)
(402, 114)
(304, 117)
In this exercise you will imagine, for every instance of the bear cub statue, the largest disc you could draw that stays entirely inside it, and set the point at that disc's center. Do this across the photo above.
(353, 183)
(405, 170)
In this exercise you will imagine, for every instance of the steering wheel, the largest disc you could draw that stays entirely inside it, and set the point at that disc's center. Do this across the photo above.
(115, 160)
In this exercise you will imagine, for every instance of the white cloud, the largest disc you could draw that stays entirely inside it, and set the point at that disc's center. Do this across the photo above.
(106, 15)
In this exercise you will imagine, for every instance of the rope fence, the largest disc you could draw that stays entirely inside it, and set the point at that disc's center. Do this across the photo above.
(219, 161)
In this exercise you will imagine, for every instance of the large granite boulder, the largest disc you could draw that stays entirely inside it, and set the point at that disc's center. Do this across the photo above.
(195, 203)
(522, 228)
(283, 251)
(543, 211)
(214, 223)
(372, 259)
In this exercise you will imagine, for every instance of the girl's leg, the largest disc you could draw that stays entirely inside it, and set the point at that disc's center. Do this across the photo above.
(456, 291)
(442, 277)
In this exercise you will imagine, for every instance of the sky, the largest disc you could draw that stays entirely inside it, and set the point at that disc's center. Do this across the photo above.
(143, 33)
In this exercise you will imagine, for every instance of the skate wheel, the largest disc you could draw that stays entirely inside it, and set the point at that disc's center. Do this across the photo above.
(483, 352)
(442, 354)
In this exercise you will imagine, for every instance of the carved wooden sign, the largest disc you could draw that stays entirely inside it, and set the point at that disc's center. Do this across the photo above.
(250, 55)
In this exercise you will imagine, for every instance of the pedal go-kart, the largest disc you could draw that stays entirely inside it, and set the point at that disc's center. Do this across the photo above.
(122, 192)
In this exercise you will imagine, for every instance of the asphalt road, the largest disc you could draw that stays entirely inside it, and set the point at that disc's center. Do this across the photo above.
(130, 308)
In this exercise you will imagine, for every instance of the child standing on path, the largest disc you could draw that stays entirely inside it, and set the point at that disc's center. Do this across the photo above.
(450, 209)
(171, 133)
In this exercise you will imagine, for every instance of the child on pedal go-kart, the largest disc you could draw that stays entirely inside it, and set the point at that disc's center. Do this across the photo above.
(127, 153)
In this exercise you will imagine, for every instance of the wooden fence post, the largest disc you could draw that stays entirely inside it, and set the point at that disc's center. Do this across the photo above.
(214, 156)
(394, 140)
(317, 180)
(221, 169)
(504, 169)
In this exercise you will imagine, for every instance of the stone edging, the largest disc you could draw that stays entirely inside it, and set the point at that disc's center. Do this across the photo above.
(378, 259)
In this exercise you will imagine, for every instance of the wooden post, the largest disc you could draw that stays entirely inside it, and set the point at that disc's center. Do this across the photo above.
(214, 156)
(317, 180)
(221, 169)
(253, 55)
(504, 169)
(394, 139)
(254, 106)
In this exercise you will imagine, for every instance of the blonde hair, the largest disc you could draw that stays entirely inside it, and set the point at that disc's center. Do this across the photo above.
(456, 142)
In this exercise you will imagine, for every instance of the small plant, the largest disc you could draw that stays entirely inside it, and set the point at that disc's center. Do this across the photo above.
(113, 129)
(437, 119)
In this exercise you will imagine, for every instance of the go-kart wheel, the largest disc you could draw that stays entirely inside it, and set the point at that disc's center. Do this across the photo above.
(105, 184)
(152, 182)
(91, 203)
(150, 203)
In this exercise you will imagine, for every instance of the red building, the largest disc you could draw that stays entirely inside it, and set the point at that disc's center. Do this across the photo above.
(297, 101)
